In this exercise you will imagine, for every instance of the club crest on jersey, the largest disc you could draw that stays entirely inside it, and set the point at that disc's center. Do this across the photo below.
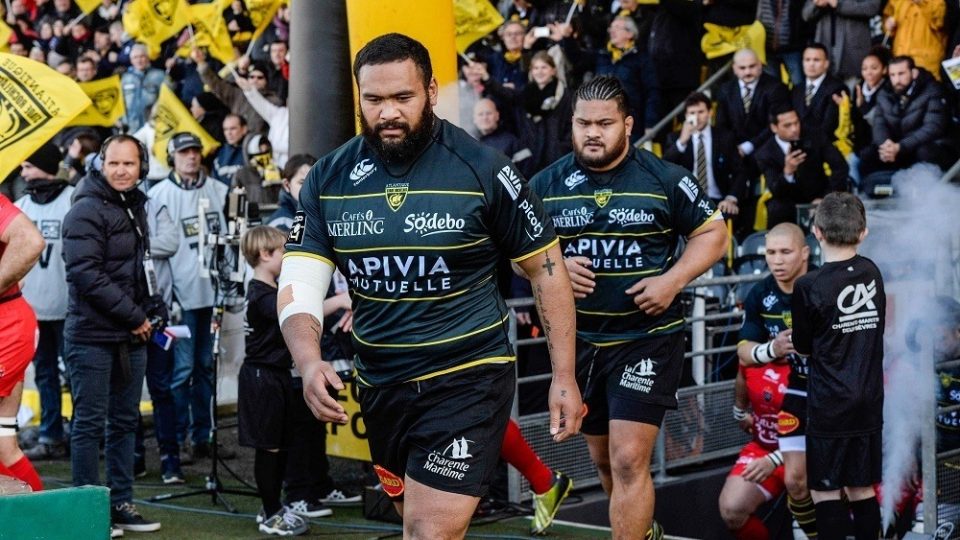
(396, 194)
(788, 319)
(602, 196)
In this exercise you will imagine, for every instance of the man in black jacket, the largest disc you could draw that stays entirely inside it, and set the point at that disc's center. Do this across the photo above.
(744, 104)
(108, 323)
(816, 99)
(910, 125)
(710, 152)
(793, 165)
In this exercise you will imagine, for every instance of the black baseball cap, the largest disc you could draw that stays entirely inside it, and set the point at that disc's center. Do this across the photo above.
(184, 140)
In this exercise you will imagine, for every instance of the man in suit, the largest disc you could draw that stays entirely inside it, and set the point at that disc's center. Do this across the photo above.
(711, 153)
(816, 100)
(743, 104)
(793, 164)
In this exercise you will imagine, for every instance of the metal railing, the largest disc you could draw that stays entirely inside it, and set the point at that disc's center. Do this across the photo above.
(700, 430)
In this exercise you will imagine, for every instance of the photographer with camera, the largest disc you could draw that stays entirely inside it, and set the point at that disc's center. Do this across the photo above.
(793, 161)
(111, 315)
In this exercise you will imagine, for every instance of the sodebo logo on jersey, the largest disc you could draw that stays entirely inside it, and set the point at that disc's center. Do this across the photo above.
(859, 311)
(625, 217)
(361, 171)
(429, 223)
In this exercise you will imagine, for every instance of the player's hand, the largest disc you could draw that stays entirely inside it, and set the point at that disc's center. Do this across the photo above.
(653, 295)
(317, 376)
(566, 408)
(747, 424)
(581, 278)
(758, 470)
(142, 332)
(783, 343)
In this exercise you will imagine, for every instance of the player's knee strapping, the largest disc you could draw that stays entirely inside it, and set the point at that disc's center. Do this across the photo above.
(8, 426)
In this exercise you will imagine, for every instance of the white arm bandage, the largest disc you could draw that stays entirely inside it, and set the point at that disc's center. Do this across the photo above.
(308, 279)
(763, 353)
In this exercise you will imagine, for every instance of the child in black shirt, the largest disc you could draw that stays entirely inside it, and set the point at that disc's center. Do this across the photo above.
(270, 409)
(838, 320)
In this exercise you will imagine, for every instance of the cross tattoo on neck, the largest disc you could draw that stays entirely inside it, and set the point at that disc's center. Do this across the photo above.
(549, 265)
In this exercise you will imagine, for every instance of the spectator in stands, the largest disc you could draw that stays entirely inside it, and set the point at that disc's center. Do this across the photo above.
(107, 54)
(844, 27)
(278, 116)
(816, 100)
(86, 69)
(486, 119)
(873, 81)
(209, 112)
(141, 87)
(45, 288)
(63, 10)
(793, 164)
(744, 104)
(278, 71)
(674, 49)
(192, 381)
(917, 28)
(785, 33)
(294, 173)
(525, 13)
(546, 102)
(470, 89)
(508, 67)
(728, 14)
(231, 95)
(108, 323)
(229, 157)
(909, 126)
(260, 175)
(622, 60)
(241, 28)
(710, 152)
(76, 39)
(74, 166)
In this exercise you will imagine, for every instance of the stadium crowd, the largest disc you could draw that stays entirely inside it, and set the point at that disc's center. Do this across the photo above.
(836, 95)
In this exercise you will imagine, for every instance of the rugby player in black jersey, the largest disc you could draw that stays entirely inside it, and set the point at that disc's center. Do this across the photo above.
(620, 213)
(416, 213)
(838, 320)
(765, 337)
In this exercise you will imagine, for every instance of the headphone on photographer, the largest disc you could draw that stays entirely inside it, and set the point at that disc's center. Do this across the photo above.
(144, 156)
(178, 139)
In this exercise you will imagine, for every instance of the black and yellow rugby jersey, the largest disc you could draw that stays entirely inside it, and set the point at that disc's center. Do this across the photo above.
(767, 313)
(420, 250)
(628, 222)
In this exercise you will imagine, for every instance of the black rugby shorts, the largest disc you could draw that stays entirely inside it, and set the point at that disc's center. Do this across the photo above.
(444, 432)
(634, 381)
(854, 461)
(271, 412)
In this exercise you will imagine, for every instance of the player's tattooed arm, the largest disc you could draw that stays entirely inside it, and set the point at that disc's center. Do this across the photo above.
(554, 300)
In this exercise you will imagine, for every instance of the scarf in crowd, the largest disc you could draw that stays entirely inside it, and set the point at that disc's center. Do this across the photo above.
(538, 102)
(616, 53)
(512, 56)
(44, 191)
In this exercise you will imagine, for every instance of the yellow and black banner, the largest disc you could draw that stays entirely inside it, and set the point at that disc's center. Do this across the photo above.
(474, 19)
(5, 33)
(88, 6)
(35, 103)
(262, 12)
(723, 40)
(154, 21)
(107, 107)
(210, 31)
(171, 116)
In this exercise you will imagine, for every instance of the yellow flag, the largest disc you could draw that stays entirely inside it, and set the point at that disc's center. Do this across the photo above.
(210, 31)
(722, 40)
(107, 107)
(474, 19)
(35, 103)
(261, 13)
(154, 21)
(88, 6)
(5, 33)
(844, 131)
(171, 116)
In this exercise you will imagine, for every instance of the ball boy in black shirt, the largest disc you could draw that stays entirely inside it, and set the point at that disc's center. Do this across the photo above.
(838, 320)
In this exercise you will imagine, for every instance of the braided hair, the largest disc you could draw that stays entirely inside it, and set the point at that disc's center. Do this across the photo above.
(603, 88)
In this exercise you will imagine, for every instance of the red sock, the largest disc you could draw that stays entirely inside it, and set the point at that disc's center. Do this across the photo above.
(753, 529)
(518, 453)
(24, 470)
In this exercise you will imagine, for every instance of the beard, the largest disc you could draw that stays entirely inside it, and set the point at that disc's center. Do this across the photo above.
(414, 139)
(603, 160)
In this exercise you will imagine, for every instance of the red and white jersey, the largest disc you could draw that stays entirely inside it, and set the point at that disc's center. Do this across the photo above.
(765, 388)
(7, 213)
